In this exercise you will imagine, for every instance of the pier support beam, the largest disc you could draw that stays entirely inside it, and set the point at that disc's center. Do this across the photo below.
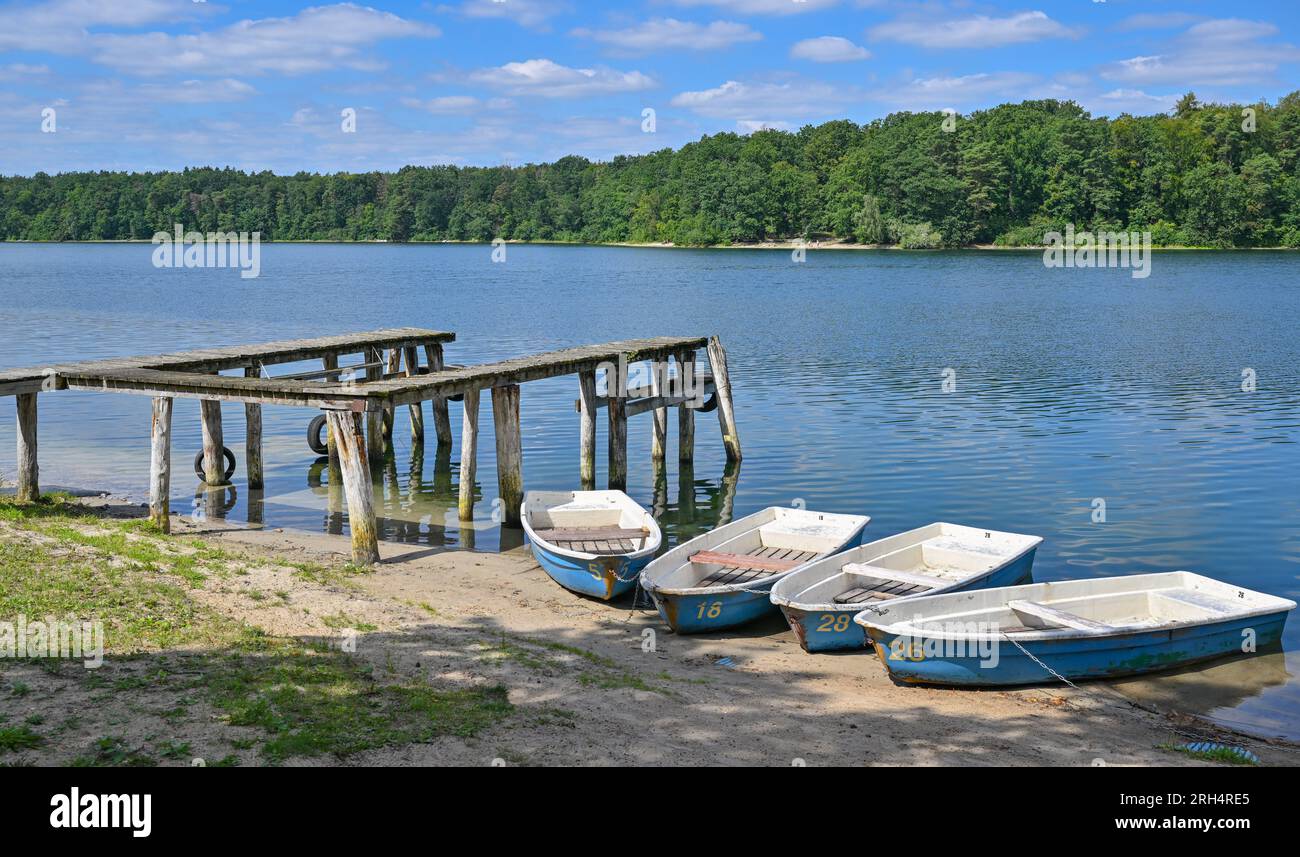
(416, 410)
(468, 456)
(659, 432)
(389, 411)
(587, 429)
(331, 361)
(160, 465)
(617, 407)
(510, 472)
(685, 411)
(357, 485)
(214, 444)
(374, 419)
(722, 386)
(441, 420)
(253, 438)
(29, 482)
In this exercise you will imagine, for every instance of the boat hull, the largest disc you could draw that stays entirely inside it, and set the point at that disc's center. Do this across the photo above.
(835, 630)
(1075, 658)
(714, 611)
(603, 577)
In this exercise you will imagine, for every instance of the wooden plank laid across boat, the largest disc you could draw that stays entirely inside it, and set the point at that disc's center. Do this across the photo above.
(723, 578)
(821, 599)
(1077, 629)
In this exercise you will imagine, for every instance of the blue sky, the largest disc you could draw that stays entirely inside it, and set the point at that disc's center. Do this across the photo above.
(163, 84)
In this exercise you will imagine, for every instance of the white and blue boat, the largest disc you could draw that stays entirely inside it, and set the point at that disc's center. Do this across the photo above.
(724, 578)
(1076, 629)
(592, 542)
(821, 599)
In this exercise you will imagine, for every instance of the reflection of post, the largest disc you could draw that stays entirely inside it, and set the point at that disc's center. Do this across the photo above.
(722, 386)
(510, 464)
(685, 412)
(659, 504)
(587, 430)
(253, 437)
(334, 502)
(442, 470)
(160, 465)
(467, 535)
(256, 506)
(357, 485)
(685, 492)
(390, 412)
(730, 481)
(511, 538)
(214, 500)
(468, 455)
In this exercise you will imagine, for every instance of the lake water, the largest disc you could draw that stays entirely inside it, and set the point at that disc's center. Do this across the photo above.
(1073, 388)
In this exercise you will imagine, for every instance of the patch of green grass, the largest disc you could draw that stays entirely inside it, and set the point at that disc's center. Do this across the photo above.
(34, 719)
(1224, 755)
(113, 752)
(19, 689)
(175, 750)
(342, 621)
(18, 738)
(312, 703)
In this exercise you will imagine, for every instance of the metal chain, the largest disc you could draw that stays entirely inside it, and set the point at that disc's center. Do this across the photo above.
(1030, 655)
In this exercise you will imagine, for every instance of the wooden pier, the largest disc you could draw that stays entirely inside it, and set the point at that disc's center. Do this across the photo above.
(361, 407)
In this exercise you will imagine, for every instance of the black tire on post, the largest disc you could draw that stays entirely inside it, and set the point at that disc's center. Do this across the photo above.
(708, 406)
(225, 453)
(316, 435)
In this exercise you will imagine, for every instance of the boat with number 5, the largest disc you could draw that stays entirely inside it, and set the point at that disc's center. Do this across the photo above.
(724, 578)
(1075, 629)
(591, 542)
(821, 599)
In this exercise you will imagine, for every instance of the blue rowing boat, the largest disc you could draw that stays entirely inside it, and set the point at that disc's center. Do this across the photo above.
(724, 578)
(821, 599)
(594, 543)
(1077, 629)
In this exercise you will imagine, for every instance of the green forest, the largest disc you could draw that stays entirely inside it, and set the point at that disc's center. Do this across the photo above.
(1212, 175)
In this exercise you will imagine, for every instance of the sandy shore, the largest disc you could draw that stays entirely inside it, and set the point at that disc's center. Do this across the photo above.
(606, 684)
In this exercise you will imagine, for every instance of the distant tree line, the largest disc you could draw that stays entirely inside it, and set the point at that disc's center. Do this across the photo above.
(1207, 175)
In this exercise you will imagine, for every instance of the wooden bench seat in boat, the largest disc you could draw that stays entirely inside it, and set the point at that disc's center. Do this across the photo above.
(742, 568)
(893, 584)
(1060, 618)
(596, 540)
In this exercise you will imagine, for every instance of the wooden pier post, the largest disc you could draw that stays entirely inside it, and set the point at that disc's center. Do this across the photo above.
(617, 407)
(374, 419)
(331, 361)
(722, 386)
(389, 411)
(253, 438)
(160, 464)
(214, 445)
(468, 456)
(510, 472)
(29, 481)
(441, 419)
(415, 409)
(357, 485)
(587, 430)
(659, 433)
(685, 413)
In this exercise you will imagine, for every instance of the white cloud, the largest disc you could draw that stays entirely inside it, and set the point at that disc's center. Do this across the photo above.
(528, 13)
(669, 33)
(316, 39)
(551, 80)
(767, 103)
(1133, 101)
(1157, 21)
(829, 49)
(457, 105)
(198, 91)
(1222, 52)
(62, 26)
(965, 90)
(763, 7)
(977, 31)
